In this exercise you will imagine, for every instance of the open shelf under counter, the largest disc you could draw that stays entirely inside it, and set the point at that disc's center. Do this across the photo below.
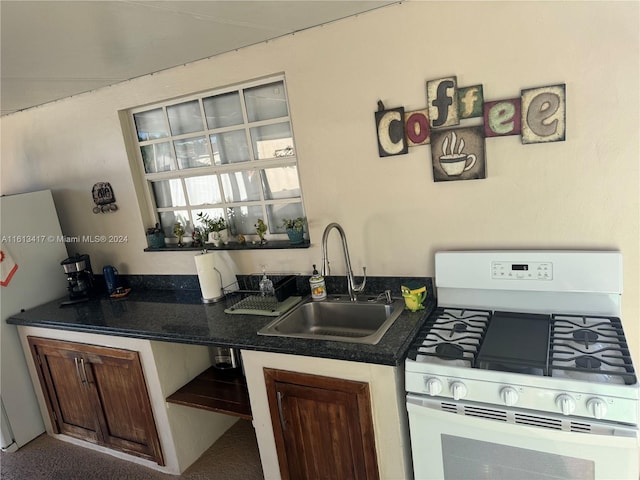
(222, 391)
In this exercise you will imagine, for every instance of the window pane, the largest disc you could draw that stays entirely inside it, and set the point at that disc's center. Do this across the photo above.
(185, 118)
(272, 141)
(192, 153)
(168, 193)
(229, 147)
(150, 125)
(243, 219)
(280, 182)
(277, 213)
(223, 110)
(265, 102)
(203, 190)
(157, 157)
(169, 219)
(241, 186)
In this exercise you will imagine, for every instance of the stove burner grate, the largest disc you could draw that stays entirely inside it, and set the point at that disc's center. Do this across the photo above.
(586, 347)
(590, 347)
(451, 334)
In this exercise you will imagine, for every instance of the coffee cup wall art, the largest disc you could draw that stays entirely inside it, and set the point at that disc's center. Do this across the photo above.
(458, 154)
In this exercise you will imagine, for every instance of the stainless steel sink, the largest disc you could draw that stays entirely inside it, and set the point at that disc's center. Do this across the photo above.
(337, 318)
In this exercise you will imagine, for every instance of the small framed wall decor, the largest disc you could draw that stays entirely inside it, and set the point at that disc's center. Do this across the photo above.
(458, 154)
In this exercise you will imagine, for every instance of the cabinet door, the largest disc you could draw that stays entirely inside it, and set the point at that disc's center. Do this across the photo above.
(323, 426)
(66, 389)
(125, 417)
(97, 394)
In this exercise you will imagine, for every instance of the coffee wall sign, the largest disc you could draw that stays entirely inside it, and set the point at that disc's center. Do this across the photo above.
(457, 151)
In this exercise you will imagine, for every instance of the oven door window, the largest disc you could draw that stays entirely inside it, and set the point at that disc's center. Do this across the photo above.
(467, 458)
(451, 446)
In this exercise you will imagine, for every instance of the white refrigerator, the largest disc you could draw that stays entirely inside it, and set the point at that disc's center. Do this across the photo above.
(32, 239)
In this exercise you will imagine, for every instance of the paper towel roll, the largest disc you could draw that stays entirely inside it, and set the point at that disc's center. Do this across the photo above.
(210, 277)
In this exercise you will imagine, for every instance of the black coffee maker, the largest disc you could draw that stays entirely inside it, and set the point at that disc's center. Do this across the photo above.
(80, 278)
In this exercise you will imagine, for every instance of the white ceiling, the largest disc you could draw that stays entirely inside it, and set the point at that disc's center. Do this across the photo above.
(55, 49)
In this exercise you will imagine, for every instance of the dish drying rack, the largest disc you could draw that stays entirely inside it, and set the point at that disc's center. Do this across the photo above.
(245, 294)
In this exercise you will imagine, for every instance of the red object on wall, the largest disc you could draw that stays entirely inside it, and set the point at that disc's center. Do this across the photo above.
(7, 267)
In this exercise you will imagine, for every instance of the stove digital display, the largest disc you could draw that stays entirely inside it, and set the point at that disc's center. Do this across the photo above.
(521, 270)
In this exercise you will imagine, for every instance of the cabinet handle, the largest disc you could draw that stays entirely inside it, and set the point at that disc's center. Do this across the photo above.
(84, 372)
(283, 424)
(75, 360)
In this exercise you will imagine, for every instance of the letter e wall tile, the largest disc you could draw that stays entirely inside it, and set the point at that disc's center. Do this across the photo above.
(544, 114)
(502, 117)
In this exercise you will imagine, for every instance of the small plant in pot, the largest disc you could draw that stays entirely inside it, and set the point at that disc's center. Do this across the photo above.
(214, 230)
(295, 229)
(155, 236)
(179, 231)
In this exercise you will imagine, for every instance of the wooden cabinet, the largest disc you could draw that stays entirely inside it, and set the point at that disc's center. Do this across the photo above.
(97, 394)
(323, 426)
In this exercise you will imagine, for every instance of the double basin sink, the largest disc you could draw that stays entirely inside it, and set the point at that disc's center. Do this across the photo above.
(337, 318)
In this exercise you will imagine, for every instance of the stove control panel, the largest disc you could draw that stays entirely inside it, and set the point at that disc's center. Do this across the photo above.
(543, 396)
(521, 270)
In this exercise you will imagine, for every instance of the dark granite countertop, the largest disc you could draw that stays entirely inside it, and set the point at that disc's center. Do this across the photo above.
(180, 316)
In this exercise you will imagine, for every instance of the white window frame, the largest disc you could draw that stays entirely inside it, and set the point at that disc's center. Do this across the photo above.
(145, 180)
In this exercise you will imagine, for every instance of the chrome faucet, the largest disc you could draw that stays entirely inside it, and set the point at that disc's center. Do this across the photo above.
(353, 288)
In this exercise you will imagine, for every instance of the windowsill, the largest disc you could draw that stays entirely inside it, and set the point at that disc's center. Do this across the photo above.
(270, 245)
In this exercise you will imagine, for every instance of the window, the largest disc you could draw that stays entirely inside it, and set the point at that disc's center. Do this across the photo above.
(227, 153)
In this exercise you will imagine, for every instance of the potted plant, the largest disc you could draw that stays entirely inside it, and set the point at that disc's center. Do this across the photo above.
(179, 231)
(196, 238)
(261, 230)
(215, 229)
(155, 237)
(295, 229)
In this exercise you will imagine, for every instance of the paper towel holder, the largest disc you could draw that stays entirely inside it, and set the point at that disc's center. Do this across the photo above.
(218, 298)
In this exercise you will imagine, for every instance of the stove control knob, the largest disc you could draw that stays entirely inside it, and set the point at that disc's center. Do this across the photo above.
(434, 386)
(509, 396)
(458, 390)
(597, 407)
(566, 404)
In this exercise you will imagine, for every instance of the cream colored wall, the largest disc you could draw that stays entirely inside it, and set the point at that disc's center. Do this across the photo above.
(580, 193)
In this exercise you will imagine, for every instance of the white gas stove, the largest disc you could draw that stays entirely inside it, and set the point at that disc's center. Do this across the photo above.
(529, 343)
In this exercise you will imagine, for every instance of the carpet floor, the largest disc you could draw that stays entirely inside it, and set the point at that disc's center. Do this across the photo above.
(233, 457)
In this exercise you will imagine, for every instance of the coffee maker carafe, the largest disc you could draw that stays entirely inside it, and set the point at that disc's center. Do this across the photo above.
(79, 277)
